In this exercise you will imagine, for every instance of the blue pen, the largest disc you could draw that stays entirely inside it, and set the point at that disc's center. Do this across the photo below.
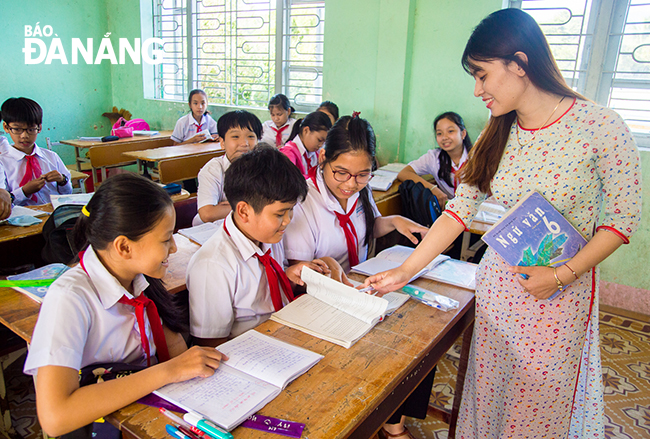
(175, 432)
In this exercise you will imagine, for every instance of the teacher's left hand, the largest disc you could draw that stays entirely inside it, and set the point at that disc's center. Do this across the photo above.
(540, 283)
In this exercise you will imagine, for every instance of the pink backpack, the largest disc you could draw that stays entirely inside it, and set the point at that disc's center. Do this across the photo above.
(125, 128)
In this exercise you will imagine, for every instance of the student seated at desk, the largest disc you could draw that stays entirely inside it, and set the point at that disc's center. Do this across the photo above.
(194, 127)
(88, 318)
(5, 196)
(331, 109)
(445, 162)
(33, 173)
(339, 216)
(239, 131)
(276, 131)
(307, 137)
(236, 279)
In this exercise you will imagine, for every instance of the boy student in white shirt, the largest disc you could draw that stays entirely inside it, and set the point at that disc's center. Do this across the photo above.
(339, 216)
(307, 137)
(198, 125)
(236, 279)
(239, 132)
(445, 162)
(276, 131)
(33, 173)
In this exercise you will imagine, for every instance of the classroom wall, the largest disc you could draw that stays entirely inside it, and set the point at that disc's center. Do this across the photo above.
(73, 97)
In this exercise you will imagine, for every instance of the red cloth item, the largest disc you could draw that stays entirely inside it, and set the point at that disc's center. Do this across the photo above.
(276, 278)
(140, 303)
(278, 134)
(457, 176)
(350, 234)
(309, 165)
(32, 172)
(198, 127)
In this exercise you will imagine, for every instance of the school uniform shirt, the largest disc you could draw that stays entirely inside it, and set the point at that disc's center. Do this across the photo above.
(315, 231)
(228, 288)
(269, 134)
(3, 177)
(15, 163)
(4, 142)
(299, 156)
(186, 127)
(210, 191)
(429, 163)
(81, 322)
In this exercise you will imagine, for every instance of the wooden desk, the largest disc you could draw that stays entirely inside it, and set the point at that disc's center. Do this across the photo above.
(106, 154)
(9, 233)
(179, 162)
(351, 392)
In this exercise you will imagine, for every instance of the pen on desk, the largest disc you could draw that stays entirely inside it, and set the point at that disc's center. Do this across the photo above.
(206, 426)
(175, 432)
(189, 432)
(366, 289)
(178, 420)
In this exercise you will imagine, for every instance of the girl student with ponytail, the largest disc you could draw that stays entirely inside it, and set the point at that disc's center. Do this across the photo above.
(306, 138)
(339, 216)
(534, 368)
(445, 162)
(93, 314)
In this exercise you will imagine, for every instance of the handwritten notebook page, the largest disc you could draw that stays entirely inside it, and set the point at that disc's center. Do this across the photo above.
(224, 397)
(364, 307)
(264, 357)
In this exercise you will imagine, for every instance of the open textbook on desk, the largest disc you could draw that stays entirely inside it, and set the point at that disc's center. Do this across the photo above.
(257, 370)
(333, 311)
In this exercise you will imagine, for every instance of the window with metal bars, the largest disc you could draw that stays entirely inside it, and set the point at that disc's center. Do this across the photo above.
(603, 50)
(241, 52)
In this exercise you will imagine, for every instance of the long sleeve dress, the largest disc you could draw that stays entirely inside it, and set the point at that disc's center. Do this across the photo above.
(534, 369)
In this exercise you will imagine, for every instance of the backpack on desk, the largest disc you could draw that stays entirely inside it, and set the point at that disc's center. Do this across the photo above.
(419, 203)
(57, 233)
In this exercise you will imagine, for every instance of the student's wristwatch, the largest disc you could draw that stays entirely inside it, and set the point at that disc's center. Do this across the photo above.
(64, 182)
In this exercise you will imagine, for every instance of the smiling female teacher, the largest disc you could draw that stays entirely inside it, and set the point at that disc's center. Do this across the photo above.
(534, 366)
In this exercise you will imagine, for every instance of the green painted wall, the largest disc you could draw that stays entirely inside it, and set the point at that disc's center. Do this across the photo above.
(73, 97)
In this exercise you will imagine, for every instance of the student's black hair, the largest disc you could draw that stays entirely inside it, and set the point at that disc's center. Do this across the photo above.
(239, 119)
(331, 108)
(280, 100)
(316, 121)
(129, 205)
(195, 92)
(352, 134)
(445, 161)
(264, 176)
(22, 110)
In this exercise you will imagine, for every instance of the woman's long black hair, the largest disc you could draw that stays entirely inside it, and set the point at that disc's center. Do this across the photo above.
(444, 173)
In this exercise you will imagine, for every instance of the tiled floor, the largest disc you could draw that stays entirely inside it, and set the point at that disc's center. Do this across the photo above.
(625, 346)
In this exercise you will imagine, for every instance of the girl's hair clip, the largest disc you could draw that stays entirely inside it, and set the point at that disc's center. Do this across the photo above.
(355, 114)
(84, 210)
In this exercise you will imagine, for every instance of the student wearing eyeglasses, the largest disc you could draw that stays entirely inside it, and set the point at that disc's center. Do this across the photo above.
(33, 173)
(339, 216)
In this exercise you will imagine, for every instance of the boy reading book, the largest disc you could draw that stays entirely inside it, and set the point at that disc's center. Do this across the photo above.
(236, 280)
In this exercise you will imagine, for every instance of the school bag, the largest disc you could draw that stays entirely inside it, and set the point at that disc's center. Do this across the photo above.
(419, 203)
(125, 128)
(57, 233)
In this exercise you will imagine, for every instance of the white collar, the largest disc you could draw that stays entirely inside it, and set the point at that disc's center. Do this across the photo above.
(329, 199)
(246, 247)
(17, 154)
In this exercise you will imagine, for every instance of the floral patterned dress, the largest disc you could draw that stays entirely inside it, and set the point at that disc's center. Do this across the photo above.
(534, 369)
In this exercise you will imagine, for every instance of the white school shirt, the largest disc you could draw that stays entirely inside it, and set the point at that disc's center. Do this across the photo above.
(429, 163)
(307, 159)
(228, 289)
(268, 134)
(210, 191)
(186, 127)
(15, 163)
(81, 322)
(315, 231)
(3, 177)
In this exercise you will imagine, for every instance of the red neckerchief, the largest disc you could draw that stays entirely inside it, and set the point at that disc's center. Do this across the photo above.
(32, 172)
(141, 303)
(278, 134)
(456, 176)
(349, 230)
(309, 165)
(275, 276)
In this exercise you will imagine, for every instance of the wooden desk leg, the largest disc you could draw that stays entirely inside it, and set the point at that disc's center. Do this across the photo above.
(77, 158)
(465, 252)
(460, 380)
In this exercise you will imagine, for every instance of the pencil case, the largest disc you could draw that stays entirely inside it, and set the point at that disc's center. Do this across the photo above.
(122, 132)
(173, 188)
(430, 298)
